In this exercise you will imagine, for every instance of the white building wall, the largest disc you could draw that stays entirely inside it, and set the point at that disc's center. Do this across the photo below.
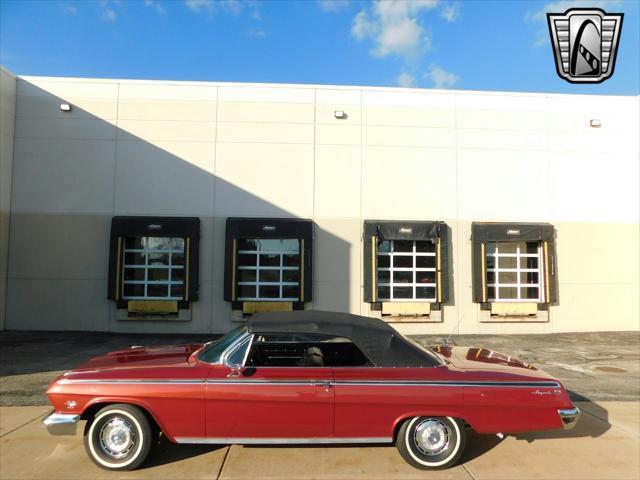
(7, 127)
(219, 150)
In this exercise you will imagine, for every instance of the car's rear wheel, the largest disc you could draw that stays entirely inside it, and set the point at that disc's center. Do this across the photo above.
(431, 442)
(118, 438)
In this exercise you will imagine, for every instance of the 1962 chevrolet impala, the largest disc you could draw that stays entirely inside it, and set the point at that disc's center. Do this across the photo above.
(304, 377)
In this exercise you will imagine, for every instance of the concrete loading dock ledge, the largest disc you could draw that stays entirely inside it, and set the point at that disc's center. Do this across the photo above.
(213, 151)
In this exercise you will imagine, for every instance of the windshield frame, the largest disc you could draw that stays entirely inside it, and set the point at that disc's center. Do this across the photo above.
(226, 343)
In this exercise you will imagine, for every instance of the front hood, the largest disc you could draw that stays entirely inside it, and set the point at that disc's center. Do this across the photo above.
(142, 357)
(474, 358)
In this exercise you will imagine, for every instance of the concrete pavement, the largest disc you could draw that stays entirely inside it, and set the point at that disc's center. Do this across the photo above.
(604, 445)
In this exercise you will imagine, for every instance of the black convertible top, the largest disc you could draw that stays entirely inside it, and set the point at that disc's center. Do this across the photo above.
(383, 345)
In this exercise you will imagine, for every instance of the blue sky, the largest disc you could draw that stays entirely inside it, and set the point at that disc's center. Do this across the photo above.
(477, 45)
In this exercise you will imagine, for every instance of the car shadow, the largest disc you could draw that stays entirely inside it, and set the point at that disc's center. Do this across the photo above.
(163, 452)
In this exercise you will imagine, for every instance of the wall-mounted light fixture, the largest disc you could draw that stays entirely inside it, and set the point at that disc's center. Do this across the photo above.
(65, 107)
(340, 114)
(595, 123)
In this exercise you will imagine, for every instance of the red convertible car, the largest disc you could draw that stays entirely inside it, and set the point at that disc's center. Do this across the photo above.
(304, 378)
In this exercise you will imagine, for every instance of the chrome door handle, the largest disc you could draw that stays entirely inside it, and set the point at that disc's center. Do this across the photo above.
(322, 384)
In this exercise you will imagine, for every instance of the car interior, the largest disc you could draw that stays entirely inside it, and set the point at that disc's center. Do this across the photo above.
(308, 350)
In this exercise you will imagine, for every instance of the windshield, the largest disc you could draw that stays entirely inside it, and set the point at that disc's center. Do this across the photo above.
(213, 351)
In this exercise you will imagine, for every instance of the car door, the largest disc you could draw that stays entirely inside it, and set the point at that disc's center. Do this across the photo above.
(269, 402)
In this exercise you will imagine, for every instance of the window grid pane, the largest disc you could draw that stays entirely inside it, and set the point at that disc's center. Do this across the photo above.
(269, 270)
(515, 276)
(402, 272)
(153, 268)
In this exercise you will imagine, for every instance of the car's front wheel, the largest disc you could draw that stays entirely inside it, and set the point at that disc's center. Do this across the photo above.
(431, 442)
(119, 437)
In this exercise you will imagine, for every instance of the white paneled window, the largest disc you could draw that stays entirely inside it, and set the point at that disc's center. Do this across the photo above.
(514, 272)
(268, 269)
(406, 270)
(153, 268)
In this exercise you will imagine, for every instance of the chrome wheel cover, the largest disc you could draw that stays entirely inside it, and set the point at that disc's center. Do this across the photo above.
(431, 436)
(117, 438)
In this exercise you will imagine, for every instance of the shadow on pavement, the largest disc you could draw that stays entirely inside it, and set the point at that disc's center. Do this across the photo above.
(164, 452)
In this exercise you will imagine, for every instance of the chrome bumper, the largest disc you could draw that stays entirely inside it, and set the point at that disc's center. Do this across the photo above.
(61, 423)
(569, 417)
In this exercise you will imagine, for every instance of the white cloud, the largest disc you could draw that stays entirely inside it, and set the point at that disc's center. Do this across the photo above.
(394, 26)
(109, 15)
(70, 9)
(450, 12)
(406, 80)
(333, 5)
(256, 33)
(155, 5)
(440, 78)
(212, 6)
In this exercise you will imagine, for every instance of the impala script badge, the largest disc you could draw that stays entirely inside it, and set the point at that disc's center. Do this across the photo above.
(585, 42)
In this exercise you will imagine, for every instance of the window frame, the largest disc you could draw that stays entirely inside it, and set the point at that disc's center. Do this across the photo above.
(414, 270)
(518, 285)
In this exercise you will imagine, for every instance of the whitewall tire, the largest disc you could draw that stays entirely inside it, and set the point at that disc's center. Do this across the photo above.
(431, 442)
(118, 437)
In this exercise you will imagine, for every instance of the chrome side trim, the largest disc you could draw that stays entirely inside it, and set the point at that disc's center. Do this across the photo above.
(134, 381)
(282, 441)
(61, 423)
(363, 383)
(569, 417)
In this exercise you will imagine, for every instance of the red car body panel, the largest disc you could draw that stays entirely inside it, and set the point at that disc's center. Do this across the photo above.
(192, 400)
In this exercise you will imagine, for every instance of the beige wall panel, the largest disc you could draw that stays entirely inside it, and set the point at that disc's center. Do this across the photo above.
(49, 106)
(337, 250)
(208, 244)
(67, 247)
(64, 128)
(221, 320)
(593, 187)
(337, 296)
(264, 180)
(408, 136)
(338, 172)
(338, 96)
(236, 132)
(596, 307)
(408, 98)
(503, 185)
(265, 112)
(7, 122)
(410, 116)
(7, 128)
(255, 93)
(598, 254)
(152, 181)
(57, 305)
(166, 130)
(502, 101)
(594, 140)
(194, 111)
(216, 248)
(64, 88)
(501, 119)
(408, 183)
(6, 169)
(326, 114)
(502, 139)
(338, 134)
(574, 113)
(65, 176)
(166, 91)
